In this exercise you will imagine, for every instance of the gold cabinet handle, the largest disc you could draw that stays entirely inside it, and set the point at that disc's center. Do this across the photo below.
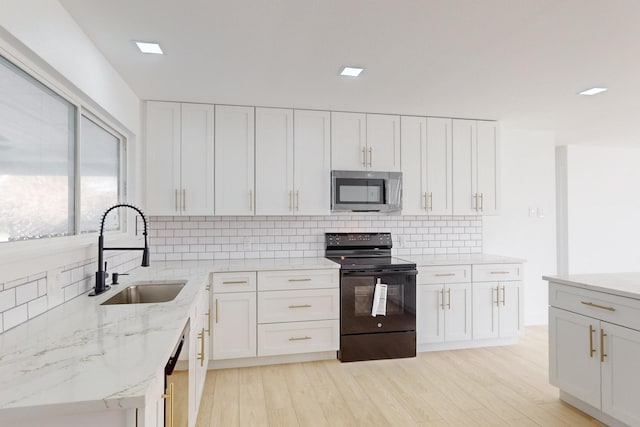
(449, 295)
(499, 272)
(497, 296)
(604, 307)
(300, 280)
(201, 353)
(445, 274)
(216, 310)
(475, 202)
(290, 200)
(251, 200)
(297, 200)
(299, 338)
(591, 349)
(370, 156)
(430, 201)
(208, 314)
(504, 296)
(602, 353)
(208, 287)
(424, 199)
(176, 200)
(234, 282)
(441, 298)
(184, 199)
(300, 306)
(170, 396)
(481, 202)
(364, 157)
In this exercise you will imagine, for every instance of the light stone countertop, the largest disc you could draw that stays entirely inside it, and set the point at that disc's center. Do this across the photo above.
(428, 260)
(621, 284)
(81, 356)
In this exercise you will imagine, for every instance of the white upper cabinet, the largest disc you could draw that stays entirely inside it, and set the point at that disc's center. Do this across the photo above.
(349, 141)
(179, 158)
(383, 142)
(426, 166)
(274, 161)
(365, 142)
(292, 162)
(312, 162)
(234, 160)
(475, 168)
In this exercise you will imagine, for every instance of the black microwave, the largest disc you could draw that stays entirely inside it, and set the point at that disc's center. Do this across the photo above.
(363, 191)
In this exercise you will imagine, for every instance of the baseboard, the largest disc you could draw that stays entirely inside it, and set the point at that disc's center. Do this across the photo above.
(588, 409)
(271, 360)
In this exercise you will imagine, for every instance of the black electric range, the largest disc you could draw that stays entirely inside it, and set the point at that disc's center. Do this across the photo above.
(365, 261)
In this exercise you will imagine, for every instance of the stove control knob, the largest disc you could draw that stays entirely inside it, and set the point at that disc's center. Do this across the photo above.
(379, 325)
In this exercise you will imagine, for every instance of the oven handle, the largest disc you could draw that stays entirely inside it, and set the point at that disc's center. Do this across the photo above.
(380, 273)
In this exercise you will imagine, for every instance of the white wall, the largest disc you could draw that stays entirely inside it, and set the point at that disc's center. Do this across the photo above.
(600, 224)
(528, 181)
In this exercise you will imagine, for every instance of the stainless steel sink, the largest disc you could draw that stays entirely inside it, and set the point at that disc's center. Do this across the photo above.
(147, 292)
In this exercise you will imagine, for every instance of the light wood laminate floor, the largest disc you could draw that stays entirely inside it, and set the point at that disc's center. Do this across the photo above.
(498, 386)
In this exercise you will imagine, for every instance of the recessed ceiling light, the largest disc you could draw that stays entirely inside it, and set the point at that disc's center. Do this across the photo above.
(146, 47)
(593, 91)
(351, 71)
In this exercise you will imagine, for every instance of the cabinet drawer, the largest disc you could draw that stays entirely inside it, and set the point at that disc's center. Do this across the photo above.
(496, 272)
(610, 308)
(298, 279)
(294, 306)
(243, 281)
(298, 337)
(435, 275)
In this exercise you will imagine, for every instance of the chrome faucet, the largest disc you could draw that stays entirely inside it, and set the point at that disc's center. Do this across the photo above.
(101, 274)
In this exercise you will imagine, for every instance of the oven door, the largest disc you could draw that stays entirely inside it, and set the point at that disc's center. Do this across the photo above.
(356, 299)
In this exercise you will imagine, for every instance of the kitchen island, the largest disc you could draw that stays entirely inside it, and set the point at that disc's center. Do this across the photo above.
(594, 344)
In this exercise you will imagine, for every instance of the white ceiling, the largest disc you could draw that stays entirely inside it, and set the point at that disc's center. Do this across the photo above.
(519, 61)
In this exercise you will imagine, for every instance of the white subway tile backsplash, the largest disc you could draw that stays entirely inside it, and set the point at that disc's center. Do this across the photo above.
(303, 236)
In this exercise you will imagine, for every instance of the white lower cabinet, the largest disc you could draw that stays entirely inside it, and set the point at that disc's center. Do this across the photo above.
(234, 315)
(497, 309)
(593, 360)
(443, 308)
(298, 337)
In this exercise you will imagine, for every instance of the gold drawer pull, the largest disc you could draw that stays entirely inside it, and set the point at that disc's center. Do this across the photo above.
(201, 353)
(604, 307)
(499, 272)
(602, 353)
(445, 274)
(299, 280)
(171, 397)
(591, 349)
(235, 282)
(299, 338)
(300, 306)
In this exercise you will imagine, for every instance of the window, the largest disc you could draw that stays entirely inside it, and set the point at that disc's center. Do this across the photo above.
(39, 140)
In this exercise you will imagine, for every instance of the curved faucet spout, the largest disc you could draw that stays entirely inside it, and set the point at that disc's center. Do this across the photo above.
(101, 274)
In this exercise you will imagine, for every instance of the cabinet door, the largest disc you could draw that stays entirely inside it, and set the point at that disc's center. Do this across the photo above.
(457, 312)
(439, 166)
(485, 310)
(464, 167)
(202, 321)
(574, 367)
(348, 141)
(274, 161)
(488, 168)
(621, 373)
(197, 147)
(163, 158)
(234, 326)
(234, 161)
(383, 142)
(312, 162)
(413, 157)
(430, 313)
(510, 309)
